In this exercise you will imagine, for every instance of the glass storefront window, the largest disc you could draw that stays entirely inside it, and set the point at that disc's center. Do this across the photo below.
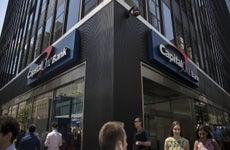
(68, 112)
(23, 114)
(162, 106)
(40, 115)
(226, 118)
(14, 111)
(10, 110)
(212, 115)
(40, 110)
(201, 115)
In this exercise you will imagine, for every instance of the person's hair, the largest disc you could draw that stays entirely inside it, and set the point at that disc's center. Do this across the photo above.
(175, 123)
(54, 125)
(204, 128)
(32, 128)
(139, 118)
(110, 133)
(9, 124)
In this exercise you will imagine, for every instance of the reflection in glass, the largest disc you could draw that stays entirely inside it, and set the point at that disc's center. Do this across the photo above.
(167, 22)
(59, 21)
(68, 112)
(38, 43)
(46, 41)
(162, 105)
(89, 5)
(37, 9)
(40, 114)
(154, 14)
(14, 111)
(73, 13)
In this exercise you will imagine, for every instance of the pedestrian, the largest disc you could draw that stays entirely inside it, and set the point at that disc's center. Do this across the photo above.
(53, 139)
(9, 128)
(176, 140)
(112, 136)
(141, 138)
(30, 141)
(21, 134)
(204, 139)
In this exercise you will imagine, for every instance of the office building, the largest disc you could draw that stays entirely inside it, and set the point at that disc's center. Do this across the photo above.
(84, 62)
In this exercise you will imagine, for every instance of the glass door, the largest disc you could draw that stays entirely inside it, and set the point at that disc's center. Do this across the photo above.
(162, 106)
(68, 113)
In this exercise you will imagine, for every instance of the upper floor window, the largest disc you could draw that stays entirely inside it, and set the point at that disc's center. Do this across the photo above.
(73, 14)
(167, 22)
(154, 14)
(59, 21)
(88, 5)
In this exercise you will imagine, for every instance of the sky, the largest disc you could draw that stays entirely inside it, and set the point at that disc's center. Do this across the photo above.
(3, 6)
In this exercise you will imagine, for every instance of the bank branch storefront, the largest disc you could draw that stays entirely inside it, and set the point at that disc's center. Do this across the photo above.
(105, 68)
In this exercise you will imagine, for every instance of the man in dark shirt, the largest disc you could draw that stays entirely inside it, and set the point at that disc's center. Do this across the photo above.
(30, 141)
(141, 139)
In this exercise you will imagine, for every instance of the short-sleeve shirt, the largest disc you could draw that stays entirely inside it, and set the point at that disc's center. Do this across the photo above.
(53, 140)
(141, 135)
(174, 144)
(208, 145)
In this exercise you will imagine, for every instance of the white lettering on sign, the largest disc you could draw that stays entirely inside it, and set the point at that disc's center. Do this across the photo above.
(47, 63)
(171, 57)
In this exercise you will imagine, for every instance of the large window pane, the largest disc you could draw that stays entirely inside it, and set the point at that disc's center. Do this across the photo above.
(48, 25)
(168, 30)
(68, 109)
(154, 14)
(14, 111)
(182, 111)
(40, 115)
(73, 13)
(162, 106)
(89, 5)
(59, 21)
(38, 43)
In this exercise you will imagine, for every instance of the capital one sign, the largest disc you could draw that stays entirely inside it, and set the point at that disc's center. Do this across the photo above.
(171, 59)
(54, 59)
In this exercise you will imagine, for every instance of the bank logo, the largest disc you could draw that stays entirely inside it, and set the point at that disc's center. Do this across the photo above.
(45, 60)
(179, 61)
(171, 59)
(47, 53)
(55, 59)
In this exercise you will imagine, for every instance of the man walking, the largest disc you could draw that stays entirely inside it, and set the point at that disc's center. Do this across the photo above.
(112, 136)
(30, 141)
(141, 139)
(53, 139)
